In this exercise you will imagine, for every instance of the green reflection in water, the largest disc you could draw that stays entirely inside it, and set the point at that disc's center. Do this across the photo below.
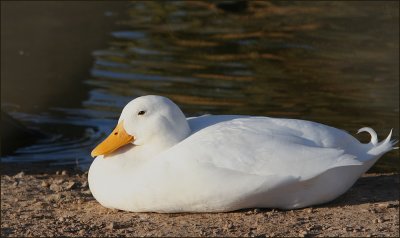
(330, 62)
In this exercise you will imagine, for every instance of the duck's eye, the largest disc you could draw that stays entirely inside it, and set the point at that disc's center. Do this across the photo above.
(141, 113)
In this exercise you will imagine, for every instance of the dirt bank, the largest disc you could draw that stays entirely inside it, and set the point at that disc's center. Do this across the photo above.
(59, 203)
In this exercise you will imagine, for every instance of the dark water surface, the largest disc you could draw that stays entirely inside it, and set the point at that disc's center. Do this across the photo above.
(332, 62)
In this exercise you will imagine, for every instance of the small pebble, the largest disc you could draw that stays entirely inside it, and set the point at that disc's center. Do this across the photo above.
(111, 226)
(19, 175)
(59, 181)
(70, 185)
(44, 184)
(64, 172)
(310, 227)
(229, 226)
(55, 188)
(57, 172)
(383, 205)
(84, 184)
(303, 233)
(372, 210)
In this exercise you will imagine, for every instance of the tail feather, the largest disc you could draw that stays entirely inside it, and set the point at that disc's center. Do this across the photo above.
(379, 148)
(393, 142)
(374, 137)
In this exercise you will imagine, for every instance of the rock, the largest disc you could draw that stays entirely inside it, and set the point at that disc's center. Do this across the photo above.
(386, 205)
(15, 184)
(64, 172)
(310, 227)
(14, 134)
(84, 184)
(373, 210)
(310, 210)
(57, 172)
(59, 181)
(44, 184)
(303, 233)
(55, 187)
(110, 226)
(250, 234)
(256, 211)
(143, 217)
(382, 205)
(228, 226)
(70, 185)
(81, 232)
(61, 219)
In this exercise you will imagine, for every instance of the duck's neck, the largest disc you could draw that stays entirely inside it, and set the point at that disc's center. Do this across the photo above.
(153, 148)
(165, 140)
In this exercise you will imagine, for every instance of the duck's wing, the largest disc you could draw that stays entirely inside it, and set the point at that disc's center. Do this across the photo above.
(266, 146)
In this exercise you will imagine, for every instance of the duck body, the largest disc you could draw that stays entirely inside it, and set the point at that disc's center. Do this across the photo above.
(225, 163)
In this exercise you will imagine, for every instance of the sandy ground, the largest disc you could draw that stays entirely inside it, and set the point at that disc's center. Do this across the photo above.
(59, 203)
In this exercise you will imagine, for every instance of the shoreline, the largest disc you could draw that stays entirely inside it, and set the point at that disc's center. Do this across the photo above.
(53, 202)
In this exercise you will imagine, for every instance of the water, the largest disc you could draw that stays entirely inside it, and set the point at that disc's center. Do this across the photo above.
(330, 62)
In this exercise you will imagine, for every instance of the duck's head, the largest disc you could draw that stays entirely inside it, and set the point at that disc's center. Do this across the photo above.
(148, 120)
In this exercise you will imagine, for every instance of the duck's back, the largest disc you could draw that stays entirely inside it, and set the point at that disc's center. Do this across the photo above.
(270, 146)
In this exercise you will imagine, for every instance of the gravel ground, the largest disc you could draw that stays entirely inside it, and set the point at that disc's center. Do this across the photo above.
(59, 203)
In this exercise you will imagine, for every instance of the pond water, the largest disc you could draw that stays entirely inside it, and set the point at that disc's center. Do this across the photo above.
(336, 63)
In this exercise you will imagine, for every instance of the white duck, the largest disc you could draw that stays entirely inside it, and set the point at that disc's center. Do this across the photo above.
(169, 163)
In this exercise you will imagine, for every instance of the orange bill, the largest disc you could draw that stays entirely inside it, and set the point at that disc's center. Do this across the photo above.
(118, 138)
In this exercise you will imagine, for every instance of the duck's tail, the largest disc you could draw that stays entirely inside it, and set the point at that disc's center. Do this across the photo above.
(379, 148)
